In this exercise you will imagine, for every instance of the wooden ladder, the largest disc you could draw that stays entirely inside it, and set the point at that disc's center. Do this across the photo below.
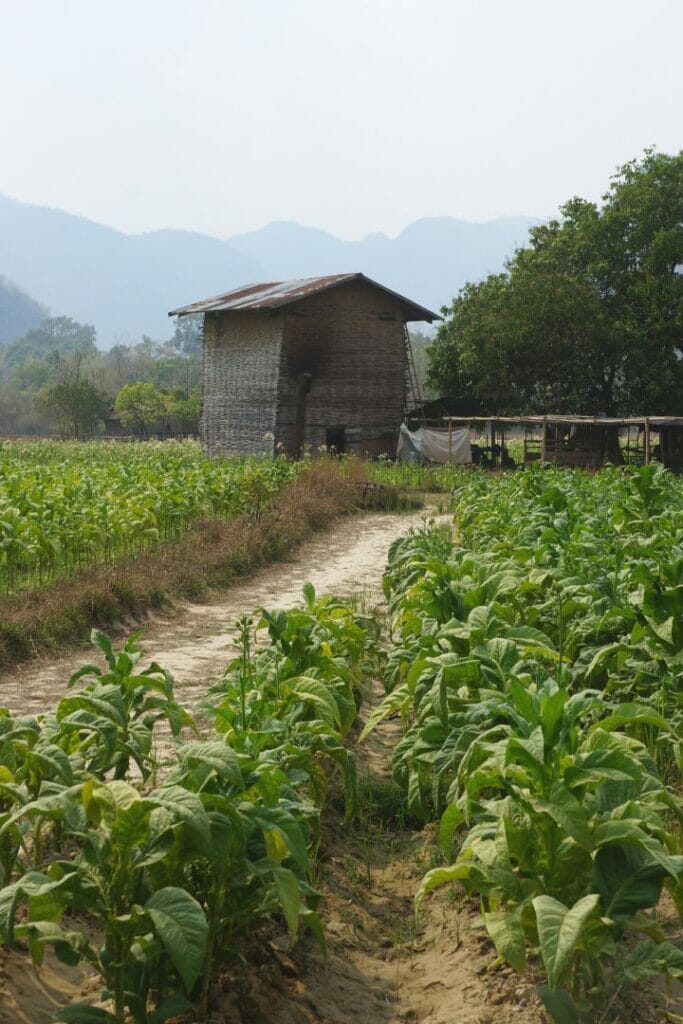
(413, 393)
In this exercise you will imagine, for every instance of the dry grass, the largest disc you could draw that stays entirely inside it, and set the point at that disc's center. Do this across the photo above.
(209, 556)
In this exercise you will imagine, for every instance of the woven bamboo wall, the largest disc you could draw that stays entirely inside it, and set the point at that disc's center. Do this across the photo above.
(357, 362)
(241, 368)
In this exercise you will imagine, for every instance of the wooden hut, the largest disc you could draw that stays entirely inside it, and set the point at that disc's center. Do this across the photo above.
(321, 361)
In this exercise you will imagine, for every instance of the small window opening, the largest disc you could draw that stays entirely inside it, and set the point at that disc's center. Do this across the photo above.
(387, 316)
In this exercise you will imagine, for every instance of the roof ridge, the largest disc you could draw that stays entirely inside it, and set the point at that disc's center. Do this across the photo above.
(271, 295)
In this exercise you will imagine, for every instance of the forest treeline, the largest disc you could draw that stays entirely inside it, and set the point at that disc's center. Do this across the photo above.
(55, 379)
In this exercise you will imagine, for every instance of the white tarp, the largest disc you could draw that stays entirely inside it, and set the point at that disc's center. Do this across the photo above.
(433, 445)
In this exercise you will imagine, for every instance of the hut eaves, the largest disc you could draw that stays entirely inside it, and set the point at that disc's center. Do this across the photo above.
(273, 295)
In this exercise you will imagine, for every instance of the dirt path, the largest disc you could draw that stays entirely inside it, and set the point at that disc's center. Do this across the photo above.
(194, 642)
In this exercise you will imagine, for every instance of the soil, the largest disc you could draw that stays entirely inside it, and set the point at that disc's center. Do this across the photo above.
(381, 967)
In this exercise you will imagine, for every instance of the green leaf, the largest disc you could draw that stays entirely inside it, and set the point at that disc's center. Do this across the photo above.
(215, 754)
(130, 825)
(392, 703)
(664, 630)
(102, 641)
(315, 925)
(415, 802)
(623, 831)
(70, 946)
(507, 933)
(186, 807)
(560, 931)
(442, 876)
(649, 959)
(315, 692)
(559, 1005)
(106, 800)
(451, 819)
(82, 1013)
(633, 714)
(627, 880)
(563, 807)
(532, 745)
(180, 924)
(277, 819)
(172, 1006)
(289, 898)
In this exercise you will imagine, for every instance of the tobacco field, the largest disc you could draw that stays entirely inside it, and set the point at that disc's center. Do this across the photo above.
(533, 655)
(66, 505)
(537, 663)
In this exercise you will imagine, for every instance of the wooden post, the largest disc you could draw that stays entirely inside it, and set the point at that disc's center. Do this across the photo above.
(647, 441)
(450, 439)
(543, 438)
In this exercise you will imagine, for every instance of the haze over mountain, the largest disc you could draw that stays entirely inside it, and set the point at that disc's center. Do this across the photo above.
(125, 284)
(18, 311)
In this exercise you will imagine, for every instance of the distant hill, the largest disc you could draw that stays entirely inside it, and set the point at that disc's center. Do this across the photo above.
(125, 284)
(18, 312)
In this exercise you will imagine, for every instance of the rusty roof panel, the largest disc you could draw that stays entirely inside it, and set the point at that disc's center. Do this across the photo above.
(278, 294)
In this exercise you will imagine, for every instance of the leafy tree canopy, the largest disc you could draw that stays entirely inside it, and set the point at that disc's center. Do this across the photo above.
(588, 318)
(60, 335)
(140, 406)
(77, 405)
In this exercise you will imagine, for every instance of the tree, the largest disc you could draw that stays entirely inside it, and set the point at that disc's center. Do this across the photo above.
(58, 334)
(187, 336)
(141, 406)
(588, 317)
(77, 405)
(185, 412)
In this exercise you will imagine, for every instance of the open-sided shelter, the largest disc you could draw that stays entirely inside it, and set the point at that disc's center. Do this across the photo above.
(585, 441)
(314, 361)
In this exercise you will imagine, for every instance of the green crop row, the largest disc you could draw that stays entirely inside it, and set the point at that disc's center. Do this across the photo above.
(537, 663)
(65, 505)
(174, 858)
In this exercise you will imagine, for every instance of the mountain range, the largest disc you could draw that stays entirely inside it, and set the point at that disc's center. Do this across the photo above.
(124, 284)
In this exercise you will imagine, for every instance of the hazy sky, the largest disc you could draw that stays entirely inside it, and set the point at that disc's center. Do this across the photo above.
(351, 115)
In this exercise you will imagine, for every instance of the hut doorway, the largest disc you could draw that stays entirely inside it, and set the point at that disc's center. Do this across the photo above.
(335, 437)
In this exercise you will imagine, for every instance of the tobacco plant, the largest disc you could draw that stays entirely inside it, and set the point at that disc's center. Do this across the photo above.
(151, 934)
(110, 722)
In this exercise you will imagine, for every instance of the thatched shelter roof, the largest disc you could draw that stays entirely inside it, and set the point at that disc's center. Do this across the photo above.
(273, 295)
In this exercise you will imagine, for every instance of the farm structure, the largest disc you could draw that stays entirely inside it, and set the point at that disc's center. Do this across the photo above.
(322, 361)
(586, 441)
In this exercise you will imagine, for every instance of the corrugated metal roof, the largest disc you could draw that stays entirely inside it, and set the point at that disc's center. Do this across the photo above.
(278, 294)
